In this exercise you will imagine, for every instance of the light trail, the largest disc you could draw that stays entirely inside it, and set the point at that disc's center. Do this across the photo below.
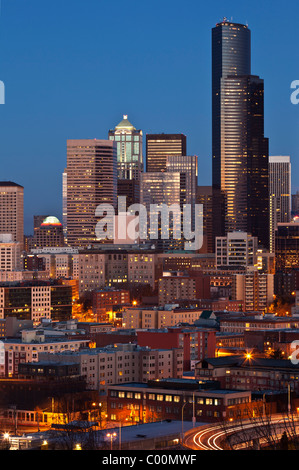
(208, 438)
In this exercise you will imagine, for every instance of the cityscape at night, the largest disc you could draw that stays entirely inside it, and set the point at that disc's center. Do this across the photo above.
(149, 229)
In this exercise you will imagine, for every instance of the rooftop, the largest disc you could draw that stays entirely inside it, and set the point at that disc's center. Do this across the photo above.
(125, 124)
(10, 183)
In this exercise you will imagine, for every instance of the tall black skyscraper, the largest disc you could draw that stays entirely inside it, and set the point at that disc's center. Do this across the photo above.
(240, 150)
(231, 55)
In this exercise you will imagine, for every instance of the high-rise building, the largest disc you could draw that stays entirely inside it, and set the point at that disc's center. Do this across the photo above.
(187, 166)
(205, 197)
(280, 193)
(130, 189)
(48, 234)
(12, 211)
(129, 149)
(240, 150)
(295, 204)
(64, 204)
(91, 181)
(287, 246)
(254, 289)
(231, 55)
(159, 188)
(38, 220)
(175, 186)
(159, 146)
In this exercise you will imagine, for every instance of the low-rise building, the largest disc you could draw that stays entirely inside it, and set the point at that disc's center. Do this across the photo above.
(174, 287)
(174, 399)
(28, 348)
(247, 372)
(158, 317)
(239, 324)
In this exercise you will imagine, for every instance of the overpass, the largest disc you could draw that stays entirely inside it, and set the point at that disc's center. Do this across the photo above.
(249, 434)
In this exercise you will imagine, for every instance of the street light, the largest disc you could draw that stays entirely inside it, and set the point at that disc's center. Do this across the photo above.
(183, 420)
(193, 418)
(111, 435)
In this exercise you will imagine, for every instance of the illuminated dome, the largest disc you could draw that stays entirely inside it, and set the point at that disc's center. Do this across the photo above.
(125, 124)
(51, 220)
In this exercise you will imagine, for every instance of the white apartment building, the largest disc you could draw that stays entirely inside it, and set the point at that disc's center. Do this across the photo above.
(280, 193)
(236, 249)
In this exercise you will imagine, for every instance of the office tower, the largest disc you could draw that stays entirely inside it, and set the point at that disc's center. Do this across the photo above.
(48, 234)
(160, 188)
(231, 55)
(12, 211)
(91, 181)
(64, 204)
(129, 189)
(295, 204)
(244, 155)
(287, 246)
(159, 146)
(204, 196)
(129, 149)
(244, 162)
(187, 166)
(280, 193)
(38, 220)
(240, 150)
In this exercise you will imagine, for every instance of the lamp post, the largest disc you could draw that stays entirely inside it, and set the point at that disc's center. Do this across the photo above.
(183, 421)
(119, 435)
(111, 435)
(193, 415)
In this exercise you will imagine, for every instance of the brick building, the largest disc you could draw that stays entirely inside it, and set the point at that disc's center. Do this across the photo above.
(197, 343)
(171, 399)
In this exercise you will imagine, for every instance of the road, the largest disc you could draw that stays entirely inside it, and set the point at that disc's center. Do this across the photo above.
(212, 437)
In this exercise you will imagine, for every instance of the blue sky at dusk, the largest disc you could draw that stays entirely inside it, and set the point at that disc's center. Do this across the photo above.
(72, 68)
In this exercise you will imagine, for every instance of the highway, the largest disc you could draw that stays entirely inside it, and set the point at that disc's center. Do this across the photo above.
(212, 437)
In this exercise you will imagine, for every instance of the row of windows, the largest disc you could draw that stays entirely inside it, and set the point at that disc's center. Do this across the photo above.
(169, 398)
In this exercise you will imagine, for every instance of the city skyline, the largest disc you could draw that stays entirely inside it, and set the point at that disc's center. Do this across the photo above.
(163, 84)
